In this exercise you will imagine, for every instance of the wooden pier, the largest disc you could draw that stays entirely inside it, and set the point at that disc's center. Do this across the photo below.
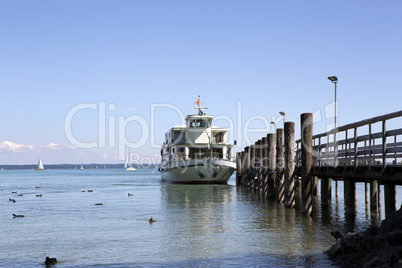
(271, 165)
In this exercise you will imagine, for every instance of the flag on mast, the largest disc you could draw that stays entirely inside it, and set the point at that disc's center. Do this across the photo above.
(198, 102)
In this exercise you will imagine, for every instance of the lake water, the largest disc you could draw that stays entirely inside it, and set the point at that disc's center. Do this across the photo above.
(195, 225)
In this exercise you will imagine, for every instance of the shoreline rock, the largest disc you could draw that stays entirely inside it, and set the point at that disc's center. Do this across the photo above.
(375, 247)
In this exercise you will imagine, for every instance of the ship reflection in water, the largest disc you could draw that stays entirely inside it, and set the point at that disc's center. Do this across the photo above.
(222, 221)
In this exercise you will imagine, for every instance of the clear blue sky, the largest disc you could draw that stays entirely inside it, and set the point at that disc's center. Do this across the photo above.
(265, 56)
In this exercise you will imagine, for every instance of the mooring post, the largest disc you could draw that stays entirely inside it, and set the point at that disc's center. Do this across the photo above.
(325, 191)
(349, 192)
(245, 165)
(289, 136)
(238, 167)
(252, 166)
(280, 178)
(265, 163)
(390, 198)
(306, 122)
(261, 171)
(271, 137)
(258, 164)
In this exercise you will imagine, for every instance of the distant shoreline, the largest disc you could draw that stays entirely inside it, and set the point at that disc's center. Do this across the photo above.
(74, 166)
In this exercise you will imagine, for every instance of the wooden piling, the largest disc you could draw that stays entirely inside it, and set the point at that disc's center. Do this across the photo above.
(252, 165)
(246, 157)
(349, 193)
(379, 200)
(289, 138)
(239, 166)
(258, 164)
(389, 198)
(306, 122)
(315, 186)
(366, 194)
(271, 142)
(373, 196)
(280, 178)
(265, 163)
(326, 191)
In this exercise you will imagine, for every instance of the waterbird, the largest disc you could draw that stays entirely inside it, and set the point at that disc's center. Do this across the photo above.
(12, 200)
(98, 204)
(50, 261)
(130, 194)
(14, 192)
(21, 195)
(18, 216)
(151, 220)
(337, 235)
(37, 187)
(39, 195)
(90, 191)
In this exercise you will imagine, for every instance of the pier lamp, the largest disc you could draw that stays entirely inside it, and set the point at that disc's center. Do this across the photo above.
(273, 123)
(334, 80)
(283, 115)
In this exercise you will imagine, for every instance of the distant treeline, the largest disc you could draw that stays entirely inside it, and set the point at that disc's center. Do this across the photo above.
(73, 166)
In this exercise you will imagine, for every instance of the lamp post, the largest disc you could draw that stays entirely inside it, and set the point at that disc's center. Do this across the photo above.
(334, 80)
(283, 115)
(273, 123)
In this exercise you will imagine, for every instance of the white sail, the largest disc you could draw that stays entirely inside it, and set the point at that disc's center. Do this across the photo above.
(129, 166)
(40, 165)
(82, 167)
(126, 164)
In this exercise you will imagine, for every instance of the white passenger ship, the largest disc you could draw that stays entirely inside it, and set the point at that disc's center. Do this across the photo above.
(197, 152)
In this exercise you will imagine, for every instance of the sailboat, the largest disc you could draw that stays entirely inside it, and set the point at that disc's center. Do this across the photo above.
(128, 166)
(82, 167)
(40, 165)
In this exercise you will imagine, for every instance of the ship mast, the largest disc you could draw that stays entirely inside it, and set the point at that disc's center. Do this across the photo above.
(200, 109)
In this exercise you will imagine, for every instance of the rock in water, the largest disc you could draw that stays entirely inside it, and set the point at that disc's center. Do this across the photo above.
(375, 247)
(337, 235)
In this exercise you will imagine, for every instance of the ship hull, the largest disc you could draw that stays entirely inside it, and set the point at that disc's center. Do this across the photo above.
(199, 171)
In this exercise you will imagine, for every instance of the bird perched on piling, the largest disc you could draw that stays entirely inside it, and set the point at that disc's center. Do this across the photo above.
(50, 261)
(337, 235)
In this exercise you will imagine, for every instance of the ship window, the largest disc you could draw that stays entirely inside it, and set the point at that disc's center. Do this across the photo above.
(193, 152)
(200, 123)
(217, 152)
(218, 137)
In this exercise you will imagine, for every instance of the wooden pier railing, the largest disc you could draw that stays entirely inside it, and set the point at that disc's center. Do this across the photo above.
(271, 164)
(369, 156)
